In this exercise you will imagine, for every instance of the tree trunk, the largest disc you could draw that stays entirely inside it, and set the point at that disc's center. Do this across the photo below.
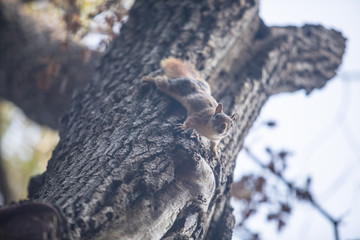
(120, 171)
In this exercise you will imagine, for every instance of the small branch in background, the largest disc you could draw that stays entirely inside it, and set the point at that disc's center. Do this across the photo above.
(301, 193)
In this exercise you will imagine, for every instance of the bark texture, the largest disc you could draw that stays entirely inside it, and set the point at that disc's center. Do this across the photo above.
(39, 73)
(121, 171)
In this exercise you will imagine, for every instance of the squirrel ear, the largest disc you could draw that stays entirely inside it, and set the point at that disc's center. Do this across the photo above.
(219, 108)
(234, 116)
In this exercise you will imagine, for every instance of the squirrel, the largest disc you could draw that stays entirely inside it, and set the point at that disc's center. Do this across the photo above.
(182, 81)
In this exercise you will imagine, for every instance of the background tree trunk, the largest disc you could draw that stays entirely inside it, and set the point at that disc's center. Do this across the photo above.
(39, 72)
(121, 171)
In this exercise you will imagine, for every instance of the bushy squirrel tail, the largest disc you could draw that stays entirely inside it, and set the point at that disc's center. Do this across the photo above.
(176, 68)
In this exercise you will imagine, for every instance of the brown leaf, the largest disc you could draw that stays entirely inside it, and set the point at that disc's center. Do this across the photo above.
(281, 225)
(285, 208)
(272, 216)
(271, 166)
(304, 195)
(259, 184)
(283, 154)
(238, 191)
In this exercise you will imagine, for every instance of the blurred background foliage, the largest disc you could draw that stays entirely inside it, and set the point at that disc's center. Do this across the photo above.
(25, 149)
(26, 146)
(93, 23)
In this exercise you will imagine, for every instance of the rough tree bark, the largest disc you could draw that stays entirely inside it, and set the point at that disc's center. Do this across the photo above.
(120, 171)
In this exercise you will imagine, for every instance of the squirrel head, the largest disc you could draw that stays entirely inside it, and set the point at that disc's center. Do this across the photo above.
(221, 122)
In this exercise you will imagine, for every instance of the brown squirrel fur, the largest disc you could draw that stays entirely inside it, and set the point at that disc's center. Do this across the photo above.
(204, 114)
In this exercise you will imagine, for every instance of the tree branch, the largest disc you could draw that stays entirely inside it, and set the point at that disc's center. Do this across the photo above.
(309, 57)
(285, 59)
(305, 195)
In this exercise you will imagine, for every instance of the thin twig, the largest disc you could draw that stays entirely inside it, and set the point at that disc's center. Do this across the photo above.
(292, 187)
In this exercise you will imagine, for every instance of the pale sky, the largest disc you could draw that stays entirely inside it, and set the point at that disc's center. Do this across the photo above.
(322, 130)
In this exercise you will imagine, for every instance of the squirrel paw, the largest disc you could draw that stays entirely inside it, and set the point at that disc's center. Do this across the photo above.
(215, 154)
(214, 150)
(180, 128)
(147, 79)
